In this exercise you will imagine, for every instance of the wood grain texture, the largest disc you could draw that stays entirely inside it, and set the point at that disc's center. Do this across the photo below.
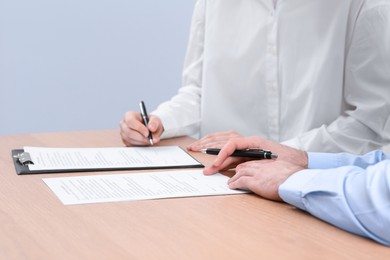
(35, 224)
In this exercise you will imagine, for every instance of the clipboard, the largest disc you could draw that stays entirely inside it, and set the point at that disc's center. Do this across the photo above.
(23, 159)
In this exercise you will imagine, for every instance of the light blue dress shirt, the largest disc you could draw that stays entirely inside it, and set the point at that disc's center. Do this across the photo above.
(351, 192)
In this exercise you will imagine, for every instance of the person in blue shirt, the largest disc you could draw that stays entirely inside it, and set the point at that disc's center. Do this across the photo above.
(348, 191)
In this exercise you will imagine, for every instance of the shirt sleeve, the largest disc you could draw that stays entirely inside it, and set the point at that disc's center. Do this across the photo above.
(365, 122)
(349, 197)
(181, 114)
(335, 160)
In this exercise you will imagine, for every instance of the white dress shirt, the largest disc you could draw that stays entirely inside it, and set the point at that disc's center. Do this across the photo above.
(312, 74)
(350, 192)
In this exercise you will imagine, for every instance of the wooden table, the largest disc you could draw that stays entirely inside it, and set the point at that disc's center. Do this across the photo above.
(36, 225)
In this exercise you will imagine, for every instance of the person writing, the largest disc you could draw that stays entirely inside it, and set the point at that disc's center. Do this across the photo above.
(349, 191)
(313, 76)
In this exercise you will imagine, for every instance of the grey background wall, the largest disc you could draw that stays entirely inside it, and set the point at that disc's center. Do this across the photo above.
(79, 65)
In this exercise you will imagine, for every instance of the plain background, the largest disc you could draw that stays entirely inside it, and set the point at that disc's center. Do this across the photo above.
(69, 65)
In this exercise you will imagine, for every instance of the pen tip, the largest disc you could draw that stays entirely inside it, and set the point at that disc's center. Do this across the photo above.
(151, 141)
(274, 156)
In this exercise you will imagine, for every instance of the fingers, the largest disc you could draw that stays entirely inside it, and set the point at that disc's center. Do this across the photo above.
(156, 127)
(255, 180)
(134, 132)
(244, 169)
(241, 183)
(259, 186)
(285, 153)
(245, 178)
(236, 143)
(263, 177)
(241, 143)
(229, 163)
(214, 140)
(224, 160)
(224, 154)
(134, 122)
(131, 137)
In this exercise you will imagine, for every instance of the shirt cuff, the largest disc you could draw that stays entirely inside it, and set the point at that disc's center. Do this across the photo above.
(291, 191)
(324, 160)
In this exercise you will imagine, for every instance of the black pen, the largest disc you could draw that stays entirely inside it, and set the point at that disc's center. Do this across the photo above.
(251, 153)
(145, 118)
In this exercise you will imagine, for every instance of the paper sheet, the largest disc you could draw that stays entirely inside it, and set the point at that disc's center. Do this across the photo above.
(138, 186)
(108, 158)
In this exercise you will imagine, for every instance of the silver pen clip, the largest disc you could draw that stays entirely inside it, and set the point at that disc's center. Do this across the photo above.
(257, 150)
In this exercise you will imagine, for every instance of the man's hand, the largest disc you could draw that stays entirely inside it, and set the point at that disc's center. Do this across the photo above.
(134, 133)
(263, 177)
(285, 153)
(260, 176)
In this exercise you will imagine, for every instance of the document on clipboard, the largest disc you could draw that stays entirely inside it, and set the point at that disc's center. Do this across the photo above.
(32, 160)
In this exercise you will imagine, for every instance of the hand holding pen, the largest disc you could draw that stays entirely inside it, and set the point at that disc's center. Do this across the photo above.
(229, 158)
(225, 159)
(145, 118)
(134, 132)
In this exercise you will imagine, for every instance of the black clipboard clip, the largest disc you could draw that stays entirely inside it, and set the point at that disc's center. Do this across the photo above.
(23, 158)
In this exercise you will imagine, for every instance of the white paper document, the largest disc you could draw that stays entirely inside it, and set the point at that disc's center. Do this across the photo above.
(138, 186)
(49, 159)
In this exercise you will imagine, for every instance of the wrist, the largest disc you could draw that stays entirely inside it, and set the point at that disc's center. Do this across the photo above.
(304, 159)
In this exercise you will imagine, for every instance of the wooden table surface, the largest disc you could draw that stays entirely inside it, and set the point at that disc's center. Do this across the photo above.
(36, 225)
